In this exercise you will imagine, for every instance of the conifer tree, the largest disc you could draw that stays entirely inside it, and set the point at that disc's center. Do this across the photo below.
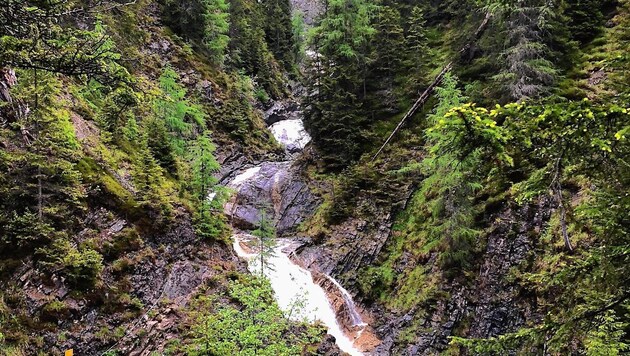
(248, 48)
(451, 180)
(417, 48)
(337, 80)
(266, 236)
(204, 165)
(205, 23)
(279, 30)
(207, 193)
(178, 118)
(585, 18)
(527, 71)
(389, 40)
(217, 25)
(299, 32)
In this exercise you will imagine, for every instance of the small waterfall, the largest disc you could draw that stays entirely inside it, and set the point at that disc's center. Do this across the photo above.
(347, 298)
(296, 292)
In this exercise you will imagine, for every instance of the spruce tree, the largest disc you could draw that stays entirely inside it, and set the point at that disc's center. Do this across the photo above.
(204, 165)
(248, 49)
(279, 30)
(527, 72)
(417, 52)
(266, 235)
(388, 41)
(217, 25)
(585, 18)
(336, 81)
(204, 23)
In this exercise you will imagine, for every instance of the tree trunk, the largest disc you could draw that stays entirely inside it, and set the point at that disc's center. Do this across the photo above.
(438, 79)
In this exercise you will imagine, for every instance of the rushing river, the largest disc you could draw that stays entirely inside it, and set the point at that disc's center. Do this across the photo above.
(296, 292)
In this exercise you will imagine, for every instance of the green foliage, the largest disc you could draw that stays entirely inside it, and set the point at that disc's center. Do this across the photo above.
(527, 72)
(203, 165)
(299, 35)
(266, 235)
(586, 18)
(279, 31)
(255, 325)
(458, 142)
(215, 36)
(249, 51)
(82, 267)
(389, 41)
(209, 196)
(22, 233)
(44, 176)
(417, 50)
(44, 41)
(179, 115)
(205, 23)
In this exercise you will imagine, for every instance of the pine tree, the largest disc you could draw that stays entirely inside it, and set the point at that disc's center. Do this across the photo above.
(178, 115)
(417, 53)
(48, 181)
(585, 18)
(299, 32)
(279, 30)
(527, 72)
(248, 49)
(389, 41)
(204, 23)
(217, 25)
(266, 236)
(204, 165)
(337, 81)
(447, 191)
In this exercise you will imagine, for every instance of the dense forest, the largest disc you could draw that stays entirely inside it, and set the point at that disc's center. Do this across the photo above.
(467, 182)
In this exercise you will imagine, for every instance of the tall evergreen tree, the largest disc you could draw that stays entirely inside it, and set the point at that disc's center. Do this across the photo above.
(337, 80)
(248, 49)
(205, 23)
(266, 235)
(204, 165)
(279, 30)
(388, 42)
(527, 72)
(217, 25)
(417, 48)
(585, 18)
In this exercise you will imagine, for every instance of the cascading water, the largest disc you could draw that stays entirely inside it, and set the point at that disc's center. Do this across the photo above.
(295, 290)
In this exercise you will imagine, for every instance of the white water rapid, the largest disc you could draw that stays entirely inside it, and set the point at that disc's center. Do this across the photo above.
(297, 294)
(291, 134)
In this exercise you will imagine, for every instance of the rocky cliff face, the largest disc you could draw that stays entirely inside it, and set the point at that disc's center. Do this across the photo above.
(486, 303)
(141, 300)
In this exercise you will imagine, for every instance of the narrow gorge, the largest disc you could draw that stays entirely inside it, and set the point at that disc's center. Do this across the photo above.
(274, 189)
(314, 177)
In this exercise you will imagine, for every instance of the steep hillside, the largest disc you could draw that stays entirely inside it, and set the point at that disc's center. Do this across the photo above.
(495, 221)
(114, 129)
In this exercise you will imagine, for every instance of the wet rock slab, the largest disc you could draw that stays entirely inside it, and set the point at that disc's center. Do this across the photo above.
(276, 189)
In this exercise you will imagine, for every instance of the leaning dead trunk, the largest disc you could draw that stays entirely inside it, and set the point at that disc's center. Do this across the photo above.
(438, 79)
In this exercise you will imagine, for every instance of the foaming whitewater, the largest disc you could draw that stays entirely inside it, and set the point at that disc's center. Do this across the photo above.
(243, 177)
(291, 134)
(347, 298)
(299, 297)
